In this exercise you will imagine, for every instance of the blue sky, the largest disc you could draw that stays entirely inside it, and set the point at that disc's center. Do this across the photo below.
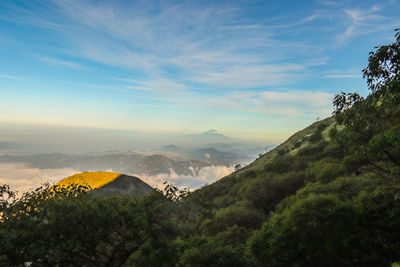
(256, 70)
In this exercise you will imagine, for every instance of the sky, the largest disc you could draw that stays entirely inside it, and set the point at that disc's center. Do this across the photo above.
(253, 70)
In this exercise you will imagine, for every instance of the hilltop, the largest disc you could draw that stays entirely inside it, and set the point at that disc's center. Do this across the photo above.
(108, 183)
(92, 179)
(305, 146)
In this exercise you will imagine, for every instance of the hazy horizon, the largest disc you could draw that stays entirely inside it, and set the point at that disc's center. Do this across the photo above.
(254, 70)
(31, 139)
(38, 155)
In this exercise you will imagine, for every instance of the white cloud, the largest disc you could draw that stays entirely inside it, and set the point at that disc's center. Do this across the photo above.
(282, 103)
(58, 62)
(252, 76)
(153, 37)
(200, 177)
(177, 50)
(160, 85)
(340, 76)
(297, 97)
(361, 21)
(22, 178)
(10, 77)
(328, 3)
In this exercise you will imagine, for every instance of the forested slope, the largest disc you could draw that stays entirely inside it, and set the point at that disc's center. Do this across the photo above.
(328, 196)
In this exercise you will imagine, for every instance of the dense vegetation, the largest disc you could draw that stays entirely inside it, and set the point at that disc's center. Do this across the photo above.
(328, 196)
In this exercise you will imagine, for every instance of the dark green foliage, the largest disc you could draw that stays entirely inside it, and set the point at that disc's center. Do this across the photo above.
(234, 215)
(324, 171)
(266, 193)
(282, 151)
(317, 135)
(318, 190)
(323, 230)
(250, 174)
(313, 151)
(279, 164)
(300, 236)
(224, 249)
(370, 137)
(298, 143)
(65, 227)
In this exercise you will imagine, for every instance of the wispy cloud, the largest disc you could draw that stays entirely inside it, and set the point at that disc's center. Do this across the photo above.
(59, 62)
(361, 21)
(282, 103)
(211, 44)
(11, 77)
(197, 56)
(160, 85)
(22, 177)
(341, 76)
(252, 76)
(241, 27)
(156, 38)
(175, 44)
(200, 177)
(328, 3)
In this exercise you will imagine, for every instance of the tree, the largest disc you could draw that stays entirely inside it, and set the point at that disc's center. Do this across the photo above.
(54, 226)
(370, 139)
(238, 166)
(354, 223)
(324, 230)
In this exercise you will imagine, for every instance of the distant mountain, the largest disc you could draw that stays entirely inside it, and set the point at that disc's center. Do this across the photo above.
(208, 137)
(216, 135)
(213, 154)
(170, 148)
(108, 183)
(181, 163)
(123, 185)
(10, 145)
(160, 164)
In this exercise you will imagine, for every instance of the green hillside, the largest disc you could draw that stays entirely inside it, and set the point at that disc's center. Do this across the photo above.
(274, 190)
(298, 157)
(328, 196)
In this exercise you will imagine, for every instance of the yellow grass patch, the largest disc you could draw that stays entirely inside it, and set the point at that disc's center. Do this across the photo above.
(92, 179)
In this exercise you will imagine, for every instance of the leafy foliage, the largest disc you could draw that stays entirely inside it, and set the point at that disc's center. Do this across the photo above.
(57, 226)
(371, 133)
(324, 230)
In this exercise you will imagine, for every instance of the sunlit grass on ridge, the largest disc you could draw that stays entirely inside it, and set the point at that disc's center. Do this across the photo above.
(92, 179)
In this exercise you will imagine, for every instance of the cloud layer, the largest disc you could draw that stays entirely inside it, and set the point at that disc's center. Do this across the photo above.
(23, 178)
(200, 177)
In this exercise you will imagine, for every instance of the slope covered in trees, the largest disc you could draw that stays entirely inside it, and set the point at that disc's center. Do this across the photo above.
(328, 196)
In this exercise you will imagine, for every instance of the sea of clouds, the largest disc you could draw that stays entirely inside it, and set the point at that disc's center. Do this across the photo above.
(22, 177)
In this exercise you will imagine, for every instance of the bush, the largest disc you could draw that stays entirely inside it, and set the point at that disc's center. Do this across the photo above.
(330, 231)
(279, 164)
(266, 193)
(316, 136)
(313, 151)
